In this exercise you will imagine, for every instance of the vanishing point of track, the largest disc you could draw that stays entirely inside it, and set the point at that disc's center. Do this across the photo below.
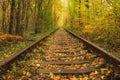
(61, 55)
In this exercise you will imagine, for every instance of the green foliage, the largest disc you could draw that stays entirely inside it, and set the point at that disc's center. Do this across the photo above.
(100, 24)
(41, 51)
(101, 66)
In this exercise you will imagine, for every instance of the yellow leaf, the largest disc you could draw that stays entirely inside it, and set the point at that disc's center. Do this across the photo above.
(51, 75)
(28, 74)
(81, 78)
(38, 65)
(74, 78)
(104, 69)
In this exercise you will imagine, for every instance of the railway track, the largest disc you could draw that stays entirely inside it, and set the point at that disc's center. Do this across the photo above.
(61, 56)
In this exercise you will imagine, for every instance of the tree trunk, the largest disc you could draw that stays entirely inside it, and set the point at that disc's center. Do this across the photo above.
(39, 8)
(18, 21)
(3, 17)
(11, 26)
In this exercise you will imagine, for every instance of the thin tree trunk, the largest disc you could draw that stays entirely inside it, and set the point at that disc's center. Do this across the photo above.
(39, 7)
(11, 26)
(18, 23)
(4, 25)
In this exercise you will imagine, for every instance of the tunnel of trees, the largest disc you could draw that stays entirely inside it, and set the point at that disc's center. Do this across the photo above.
(23, 21)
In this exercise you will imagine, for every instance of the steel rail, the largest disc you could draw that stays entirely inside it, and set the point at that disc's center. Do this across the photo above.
(89, 45)
(99, 51)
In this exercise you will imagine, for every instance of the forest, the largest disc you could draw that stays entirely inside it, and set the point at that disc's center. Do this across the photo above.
(95, 20)
(23, 22)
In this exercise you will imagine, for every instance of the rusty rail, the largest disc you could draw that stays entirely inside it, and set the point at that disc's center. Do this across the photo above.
(24, 51)
(100, 52)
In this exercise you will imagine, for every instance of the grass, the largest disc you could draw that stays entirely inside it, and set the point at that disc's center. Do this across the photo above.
(21, 45)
